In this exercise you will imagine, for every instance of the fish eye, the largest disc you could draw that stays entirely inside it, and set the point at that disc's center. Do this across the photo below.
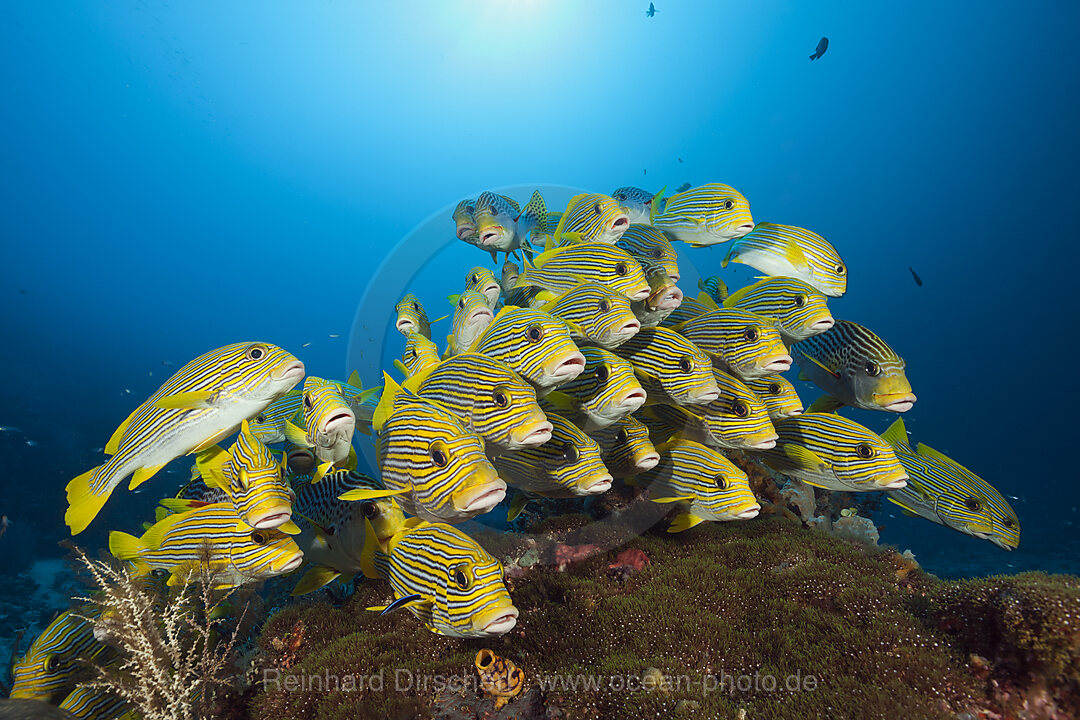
(535, 333)
(864, 450)
(159, 573)
(307, 401)
(751, 334)
(621, 436)
(872, 369)
(437, 451)
(685, 364)
(416, 307)
(621, 269)
(774, 388)
(729, 204)
(972, 504)
(370, 509)
(52, 663)
(740, 408)
(569, 454)
(604, 306)
(840, 269)
(476, 279)
(461, 577)
(597, 208)
(461, 302)
(500, 398)
(619, 196)
(260, 418)
(800, 300)
(602, 373)
(259, 537)
(255, 352)
(1008, 522)
(721, 482)
(657, 253)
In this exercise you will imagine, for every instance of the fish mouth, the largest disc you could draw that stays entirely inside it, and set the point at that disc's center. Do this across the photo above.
(895, 402)
(747, 512)
(893, 481)
(340, 422)
(778, 365)
(273, 518)
(532, 435)
(482, 497)
(568, 369)
(490, 236)
(642, 293)
(479, 313)
(767, 444)
(498, 621)
(301, 462)
(620, 224)
(674, 277)
(597, 485)
(742, 229)
(627, 331)
(647, 461)
(292, 371)
(492, 289)
(294, 562)
(706, 396)
(405, 326)
(632, 401)
(1000, 542)
(791, 413)
(669, 299)
(465, 231)
(820, 326)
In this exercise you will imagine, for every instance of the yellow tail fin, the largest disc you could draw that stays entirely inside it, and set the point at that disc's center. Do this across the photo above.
(83, 503)
(124, 546)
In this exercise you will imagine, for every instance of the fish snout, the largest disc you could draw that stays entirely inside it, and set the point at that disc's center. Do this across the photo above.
(743, 229)
(292, 563)
(465, 231)
(491, 236)
(596, 485)
(620, 224)
(820, 326)
(342, 421)
(747, 511)
(301, 462)
(632, 400)
(647, 461)
(485, 493)
(271, 518)
(707, 393)
(405, 326)
(496, 621)
(531, 434)
(892, 481)
(767, 443)
(481, 314)
(291, 371)
(640, 292)
(778, 364)
(669, 298)
(897, 402)
(569, 368)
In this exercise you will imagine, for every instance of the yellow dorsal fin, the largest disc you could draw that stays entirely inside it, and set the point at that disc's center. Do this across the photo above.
(114, 442)
(705, 299)
(296, 435)
(929, 452)
(211, 464)
(896, 436)
(825, 404)
(386, 403)
(354, 380)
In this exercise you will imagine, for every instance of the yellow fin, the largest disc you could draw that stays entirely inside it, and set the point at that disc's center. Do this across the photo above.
(517, 505)
(83, 503)
(896, 436)
(705, 299)
(354, 380)
(211, 465)
(401, 368)
(825, 404)
(562, 402)
(676, 498)
(367, 554)
(369, 494)
(684, 521)
(903, 508)
(114, 442)
(315, 578)
(821, 365)
(804, 457)
(295, 435)
(289, 528)
(929, 452)
(123, 546)
(195, 400)
(143, 474)
(175, 505)
(386, 403)
(321, 471)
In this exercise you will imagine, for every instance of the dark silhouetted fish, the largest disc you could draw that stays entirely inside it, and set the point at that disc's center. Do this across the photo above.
(651, 11)
(918, 280)
(31, 710)
(822, 46)
(682, 188)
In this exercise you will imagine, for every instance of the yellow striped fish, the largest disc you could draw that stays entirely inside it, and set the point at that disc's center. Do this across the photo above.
(464, 223)
(715, 288)
(420, 354)
(744, 344)
(253, 481)
(688, 309)
(799, 310)
(58, 658)
(855, 367)
(205, 401)
(483, 281)
(789, 251)
(534, 344)
(600, 314)
(269, 425)
(704, 484)
(652, 249)
(832, 452)
(664, 299)
(331, 517)
(504, 227)
(327, 423)
(637, 203)
(604, 393)
(472, 315)
(411, 317)
(568, 465)
(485, 395)
(563, 268)
(591, 218)
(450, 583)
(672, 370)
(94, 703)
(625, 447)
(778, 394)
(705, 215)
(211, 537)
(944, 491)
(427, 452)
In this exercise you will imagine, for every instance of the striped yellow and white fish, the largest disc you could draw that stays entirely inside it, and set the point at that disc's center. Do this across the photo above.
(464, 223)
(569, 465)
(483, 281)
(855, 367)
(739, 341)
(715, 288)
(625, 447)
(472, 315)
(411, 317)
(269, 425)
(591, 218)
(205, 401)
(486, 396)
(444, 578)
(253, 481)
(688, 309)
(789, 251)
(671, 369)
(600, 314)
(706, 215)
(211, 537)
(607, 391)
(502, 226)
(331, 517)
(704, 484)
(534, 344)
(420, 354)
(564, 268)
(637, 203)
(944, 491)
(427, 452)
(664, 299)
(652, 249)
(800, 311)
(328, 422)
(778, 394)
(833, 452)
(95, 703)
(58, 658)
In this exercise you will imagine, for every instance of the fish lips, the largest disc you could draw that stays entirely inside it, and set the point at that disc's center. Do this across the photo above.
(271, 518)
(822, 324)
(639, 292)
(292, 563)
(595, 485)
(895, 402)
(777, 364)
(766, 444)
(536, 433)
(406, 326)
(495, 622)
(892, 481)
(290, 372)
(566, 370)
(647, 461)
(747, 512)
(481, 497)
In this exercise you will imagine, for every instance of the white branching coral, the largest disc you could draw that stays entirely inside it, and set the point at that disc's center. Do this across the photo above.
(173, 657)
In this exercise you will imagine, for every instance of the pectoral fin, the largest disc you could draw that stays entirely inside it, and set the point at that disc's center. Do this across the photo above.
(195, 400)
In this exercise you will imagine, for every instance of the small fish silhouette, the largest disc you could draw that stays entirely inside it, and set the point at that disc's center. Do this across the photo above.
(918, 280)
(651, 11)
(822, 46)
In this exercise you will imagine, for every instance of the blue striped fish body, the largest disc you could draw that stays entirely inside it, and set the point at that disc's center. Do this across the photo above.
(944, 491)
(487, 397)
(269, 425)
(333, 531)
(198, 491)
(472, 315)
(205, 401)
(57, 659)
(420, 354)
(534, 344)
(465, 223)
(715, 288)
(739, 341)
(597, 312)
(89, 703)
(591, 218)
(427, 452)
(482, 280)
(528, 296)
(563, 268)
(688, 309)
(411, 317)
(651, 248)
(664, 299)
(607, 391)
(211, 536)
(625, 447)
(706, 215)
(832, 452)
(568, 465)
(795, 252)
(778, 394)
(328, 421)
(636, 203)
(800, 311)
(459, 587)
(704, 485)
(671, 369)
(856, 368)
